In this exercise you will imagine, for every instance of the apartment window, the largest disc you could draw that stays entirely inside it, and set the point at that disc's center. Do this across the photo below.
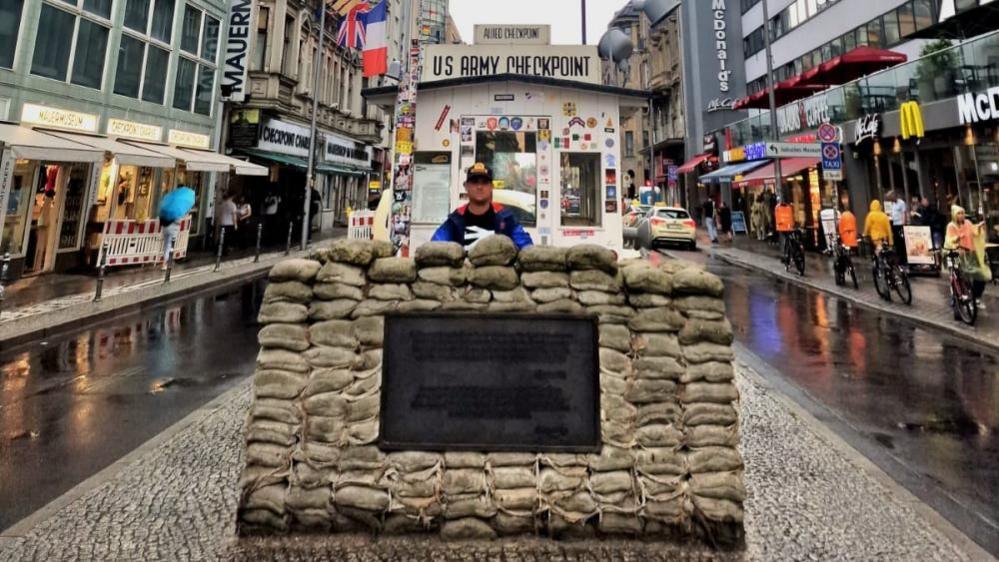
(629, 144)
(194, 87)
(144, 50)
(10, 23)
(747, 4)
(260, 46)
(81, 58)
(286, 55)
(753, 43)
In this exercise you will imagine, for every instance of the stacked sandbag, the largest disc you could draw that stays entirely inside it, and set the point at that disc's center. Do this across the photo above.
(667, 464)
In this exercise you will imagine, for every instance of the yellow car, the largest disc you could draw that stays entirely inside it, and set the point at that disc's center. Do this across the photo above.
(668, 225)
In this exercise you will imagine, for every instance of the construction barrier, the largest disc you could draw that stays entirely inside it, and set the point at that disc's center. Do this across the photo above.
(129, 242)
(360, 225)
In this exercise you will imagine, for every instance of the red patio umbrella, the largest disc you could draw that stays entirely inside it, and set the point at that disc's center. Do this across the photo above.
(854, 64)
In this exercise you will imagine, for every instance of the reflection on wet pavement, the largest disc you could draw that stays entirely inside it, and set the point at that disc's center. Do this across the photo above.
(925, 401)
(70, 407)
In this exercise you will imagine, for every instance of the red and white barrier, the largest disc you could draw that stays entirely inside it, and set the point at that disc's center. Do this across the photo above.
(129, 242)
(360, 225)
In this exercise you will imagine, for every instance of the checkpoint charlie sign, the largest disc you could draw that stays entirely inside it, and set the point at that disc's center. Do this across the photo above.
(576, 63)
(506, 34)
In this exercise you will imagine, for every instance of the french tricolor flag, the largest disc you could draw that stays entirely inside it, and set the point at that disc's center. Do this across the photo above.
(375, 54)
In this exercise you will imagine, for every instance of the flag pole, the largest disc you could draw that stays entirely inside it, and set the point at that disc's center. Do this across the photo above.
(310, 174)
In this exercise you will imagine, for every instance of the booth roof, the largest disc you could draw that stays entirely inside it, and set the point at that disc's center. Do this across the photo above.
(389, 92)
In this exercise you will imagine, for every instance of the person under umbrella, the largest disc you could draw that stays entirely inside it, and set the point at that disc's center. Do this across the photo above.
(174, 206)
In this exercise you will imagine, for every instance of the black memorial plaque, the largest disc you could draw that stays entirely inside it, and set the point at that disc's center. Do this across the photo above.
(490, 382)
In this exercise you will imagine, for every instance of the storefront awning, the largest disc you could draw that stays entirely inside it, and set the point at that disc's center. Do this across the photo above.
(693, 163)
(33, 145)
(201, 160)
(127, 154)
(303, 164)
(788, 167)
(788, 91)
(730, 172)
(854, 64)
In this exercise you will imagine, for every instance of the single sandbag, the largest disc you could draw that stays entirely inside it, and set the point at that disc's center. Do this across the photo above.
(563, 306)
(663, 319)
(657, 368)
(494, 277)
(393, 270)
(658, 345)
(551, 480)
(542, 258)
(389, 292)
(474, 505)
(327, 380)
(370, 330)
(334, 272)
(295, 270)
(718, 510)
(693, 281)
(719, 485)
(467, 528)
(508, 524)
(496, 249)
(272, 383)
(458, 481)
(359, 497)
(522, 499)
(266, 454)
(713, 459)
(358, 252)
(373, 308)
(614, 361)
(647, 279)
(663, 412)
(648, 300)
(615, 337)
(334, 333)
(507, 477)
(659, 435)
(709, 414)
(706, 351)
(434, 254)
(449, 276)
(712, 371)
(594, 280)
(331, 310)
(646, 391)
(594, 298)
(712, 435)
(413, 461)
(269, 431)
(418, 305)
(282, 313)
(660, 460)
(517, 295)
(293, 337)
(551, 294)
(327, 404)
(591, 256)
(333, 291)
(332, 357)
(276, 409)
(717, 393)
(511, 459)
(619, 524)
(270, 498)
(288, 291)
(611, 458)
(715, 331)
(300, 499)
(282, 359)
(459, 459)
(689, 304)
(610, 482)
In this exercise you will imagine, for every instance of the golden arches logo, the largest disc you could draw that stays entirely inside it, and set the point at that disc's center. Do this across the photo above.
(911, 117)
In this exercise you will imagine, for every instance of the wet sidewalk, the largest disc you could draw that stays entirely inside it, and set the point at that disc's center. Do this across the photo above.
(810, 496)
(930, 295)
(33, 296)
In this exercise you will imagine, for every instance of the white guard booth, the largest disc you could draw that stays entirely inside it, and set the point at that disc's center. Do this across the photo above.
(539, 116)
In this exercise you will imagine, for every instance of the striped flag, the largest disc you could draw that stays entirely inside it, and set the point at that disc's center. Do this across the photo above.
(343, 6)
(351, 34)
(375, 54)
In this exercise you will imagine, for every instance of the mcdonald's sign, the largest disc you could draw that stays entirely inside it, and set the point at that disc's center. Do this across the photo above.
(911, 117)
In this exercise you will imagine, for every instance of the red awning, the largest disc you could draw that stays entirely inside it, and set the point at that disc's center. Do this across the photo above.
(854, 64)
(693, 163)
(788, 167)
(785, 92)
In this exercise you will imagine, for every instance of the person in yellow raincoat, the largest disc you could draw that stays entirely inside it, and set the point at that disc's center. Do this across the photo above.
(969, 241)
(877, 226)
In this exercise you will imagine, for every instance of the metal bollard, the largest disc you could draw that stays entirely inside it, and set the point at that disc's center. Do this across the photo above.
(287, 249)
(260, 236)
(218, 255)
(101, 269)
(3, 278)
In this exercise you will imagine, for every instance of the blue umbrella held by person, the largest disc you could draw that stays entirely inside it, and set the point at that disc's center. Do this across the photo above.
(174, 206)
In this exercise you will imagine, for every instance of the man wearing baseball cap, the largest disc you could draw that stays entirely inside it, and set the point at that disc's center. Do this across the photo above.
(480, 217)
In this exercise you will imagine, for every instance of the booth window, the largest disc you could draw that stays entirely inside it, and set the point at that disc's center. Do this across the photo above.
(432, 182)
(513, 157)
(10, 23)
(581, 189)
(87, 29)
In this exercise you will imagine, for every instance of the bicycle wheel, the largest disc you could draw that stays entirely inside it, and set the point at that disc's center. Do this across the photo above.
(853, 275)
(902, 287)
(964, 302)
(881, 284)
(799, 259)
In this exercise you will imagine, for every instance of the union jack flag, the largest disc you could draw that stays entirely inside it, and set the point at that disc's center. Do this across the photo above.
(351, 34)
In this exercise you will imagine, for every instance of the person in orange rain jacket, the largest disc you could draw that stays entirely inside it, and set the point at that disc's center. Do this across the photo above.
(877, 226)
(848, 229)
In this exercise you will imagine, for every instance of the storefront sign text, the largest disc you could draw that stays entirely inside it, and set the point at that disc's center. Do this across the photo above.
(720, 104)
(237, 50)
(133, 130)
(506, 34)
(868, 128)
(807, 114)
(188, 139)
(59, 118)
(974, 108)
(347, 151)
(284, 138)
(577, 63)
(720, 28)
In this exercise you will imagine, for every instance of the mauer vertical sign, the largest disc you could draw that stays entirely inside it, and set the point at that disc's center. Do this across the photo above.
(237, 50)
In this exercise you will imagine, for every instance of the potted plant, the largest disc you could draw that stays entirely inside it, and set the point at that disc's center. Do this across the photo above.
(936, 70)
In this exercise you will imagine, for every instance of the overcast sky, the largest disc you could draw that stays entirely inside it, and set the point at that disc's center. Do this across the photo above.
(562, 15)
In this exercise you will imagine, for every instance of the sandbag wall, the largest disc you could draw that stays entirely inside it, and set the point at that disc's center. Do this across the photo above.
(669, 466)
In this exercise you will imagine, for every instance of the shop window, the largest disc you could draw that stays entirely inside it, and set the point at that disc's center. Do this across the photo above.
(72, 207)
(144, 51)
(513, 159)
(131, 195)
(18, 202)
(581, 189)
(86, 47)
(10, 24)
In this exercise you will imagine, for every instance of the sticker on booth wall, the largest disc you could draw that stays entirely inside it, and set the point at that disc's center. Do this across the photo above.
(578, 232)
(516, 123)
(611, 206)
(445, 143)
(543, 169)
(467, 135)
(610, 161)
(610, 131)
(610, 176)
(611, 191)
(468, 150)
(468, 121)
(609, 143)
(575, 138)
(504, 123)
(544, 203)
(565, 143)
(544, 195)
(577, 121)
(584, 146)
(544, 123)
(454, 126)
(542, 142)
(610, 123)
(569, 109)
(545, 230)
(491, 123)
(591, 122)
(587, 137)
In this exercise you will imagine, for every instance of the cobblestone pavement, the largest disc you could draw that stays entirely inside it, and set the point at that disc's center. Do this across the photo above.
(807, 501)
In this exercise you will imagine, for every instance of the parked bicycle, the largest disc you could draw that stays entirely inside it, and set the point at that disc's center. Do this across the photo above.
(794, 252)
(843, 269)
(962, 297)
(890, 277)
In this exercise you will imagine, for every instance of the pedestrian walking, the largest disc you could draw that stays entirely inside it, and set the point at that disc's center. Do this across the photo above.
(174, 206)
(272, 204)
(708, 212)
(899, 218)
(725, 220)
(228, 220)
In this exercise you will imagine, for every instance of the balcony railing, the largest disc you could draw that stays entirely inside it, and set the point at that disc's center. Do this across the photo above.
(972, 66)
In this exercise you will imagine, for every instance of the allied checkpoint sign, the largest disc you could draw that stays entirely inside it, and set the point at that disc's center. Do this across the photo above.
(578, 63)
(490, 382)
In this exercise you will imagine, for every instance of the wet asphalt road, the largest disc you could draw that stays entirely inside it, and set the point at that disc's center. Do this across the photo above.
(921, 405)
(72, 406)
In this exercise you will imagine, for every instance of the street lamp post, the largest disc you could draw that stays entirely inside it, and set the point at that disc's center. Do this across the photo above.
(778, 178)
(310, 174)
(583, 11)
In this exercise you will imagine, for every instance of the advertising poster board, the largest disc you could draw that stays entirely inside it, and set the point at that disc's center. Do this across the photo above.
(918, 245)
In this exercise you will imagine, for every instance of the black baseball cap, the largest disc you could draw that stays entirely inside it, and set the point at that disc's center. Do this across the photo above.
(479, 170)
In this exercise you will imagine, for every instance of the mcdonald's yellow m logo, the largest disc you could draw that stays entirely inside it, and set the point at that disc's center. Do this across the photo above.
(911, 117)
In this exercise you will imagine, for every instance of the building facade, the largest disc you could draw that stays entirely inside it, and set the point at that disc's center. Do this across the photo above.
(96, 73)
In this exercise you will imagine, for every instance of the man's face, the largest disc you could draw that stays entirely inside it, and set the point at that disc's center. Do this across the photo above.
(479, 189)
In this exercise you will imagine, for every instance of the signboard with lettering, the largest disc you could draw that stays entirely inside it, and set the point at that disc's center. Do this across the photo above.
(576, 63)
(806, 114)
(868, 128)
(133, 130)
(792, 150)
(490, 382)
(342, 150)
(244, 127)
(284, 138)
(506, 34)
(239, 22)
(58, 118)
(188, 139)
(832, 161)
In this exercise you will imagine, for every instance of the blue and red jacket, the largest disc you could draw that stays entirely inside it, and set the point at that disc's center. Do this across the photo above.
(453, 229)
